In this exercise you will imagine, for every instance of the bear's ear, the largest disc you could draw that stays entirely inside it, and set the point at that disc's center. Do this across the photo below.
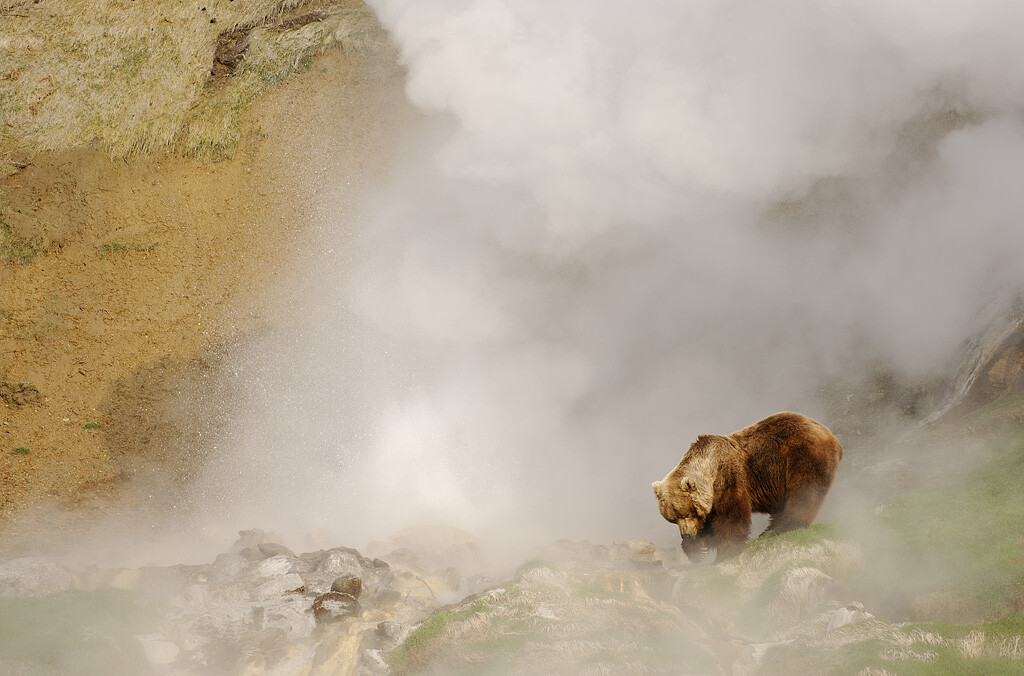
(700, 489)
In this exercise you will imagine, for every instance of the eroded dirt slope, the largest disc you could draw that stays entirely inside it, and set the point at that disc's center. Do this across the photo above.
(125, 282)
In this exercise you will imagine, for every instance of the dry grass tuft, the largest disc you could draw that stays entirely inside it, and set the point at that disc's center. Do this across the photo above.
(129, 78)
(213, 126)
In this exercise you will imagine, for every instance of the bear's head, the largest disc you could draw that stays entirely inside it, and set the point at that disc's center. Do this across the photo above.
(685, 494)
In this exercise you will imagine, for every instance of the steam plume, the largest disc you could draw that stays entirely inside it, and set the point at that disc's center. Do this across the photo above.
(620, 225)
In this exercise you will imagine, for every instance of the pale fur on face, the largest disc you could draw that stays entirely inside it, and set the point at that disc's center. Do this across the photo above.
(685, 494)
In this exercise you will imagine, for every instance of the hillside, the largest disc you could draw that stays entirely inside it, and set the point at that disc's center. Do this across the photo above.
(129, 265)
(168, 183)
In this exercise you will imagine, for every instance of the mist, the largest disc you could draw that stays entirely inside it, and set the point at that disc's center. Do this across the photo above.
(612, 227)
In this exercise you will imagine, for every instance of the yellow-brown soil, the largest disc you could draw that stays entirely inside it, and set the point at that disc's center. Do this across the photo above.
(148, 270)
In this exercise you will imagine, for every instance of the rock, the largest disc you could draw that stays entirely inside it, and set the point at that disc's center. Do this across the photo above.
(340, 561)
(32, 576)
(281, 564)
(853, 612)
(802, 590)
(377, 574)
(406, 559)
(126, 580)
(573, 555)
(385, 598)
(228, 567)
(641, 553)
(197, 595)
(390, 634)
(278, 586)
(372, 663)
(158, 651)
(334, 607)
(269, 549)
(348, 584)
(248, 543)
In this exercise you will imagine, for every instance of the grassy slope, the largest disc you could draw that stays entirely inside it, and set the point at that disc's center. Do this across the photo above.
(965, 538)
(953, 552)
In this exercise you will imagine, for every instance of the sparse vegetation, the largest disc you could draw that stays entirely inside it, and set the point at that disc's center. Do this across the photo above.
(18, 394)
(21, 450)
(91, 426)
(548, 619)
(912, 649)
(77, 74)
(109, 248)
(213, 126)
(15, 249)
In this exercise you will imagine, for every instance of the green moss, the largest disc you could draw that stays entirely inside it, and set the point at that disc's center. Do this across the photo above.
(409, 655)
(814, 534)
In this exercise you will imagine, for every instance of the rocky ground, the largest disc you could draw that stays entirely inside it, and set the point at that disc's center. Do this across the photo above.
(784, 606)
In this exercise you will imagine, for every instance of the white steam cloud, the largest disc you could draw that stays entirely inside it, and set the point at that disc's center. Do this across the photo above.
(623, 224)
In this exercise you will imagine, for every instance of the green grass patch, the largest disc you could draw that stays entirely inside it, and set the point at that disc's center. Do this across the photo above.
(91, 426)
(966, 538)
(815, 534)
(111, 248)
(14, 249)
(414, 651)
(21, 450)
(913, 649)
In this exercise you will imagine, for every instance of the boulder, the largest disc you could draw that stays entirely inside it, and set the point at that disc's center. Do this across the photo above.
(348, 584)
(334, 607)
(278, 586)
(278, 565)
(32, 576)
(851, 613)
(268, 549)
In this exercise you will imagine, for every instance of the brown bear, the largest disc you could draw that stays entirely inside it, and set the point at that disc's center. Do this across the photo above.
(782, 466)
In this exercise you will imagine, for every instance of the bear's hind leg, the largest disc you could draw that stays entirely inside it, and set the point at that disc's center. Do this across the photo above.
(799, 510)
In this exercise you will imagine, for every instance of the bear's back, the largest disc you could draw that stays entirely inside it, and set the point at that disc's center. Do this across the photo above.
(786, 451)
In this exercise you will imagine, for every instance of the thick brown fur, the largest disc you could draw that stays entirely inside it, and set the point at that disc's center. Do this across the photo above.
(782, 466)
